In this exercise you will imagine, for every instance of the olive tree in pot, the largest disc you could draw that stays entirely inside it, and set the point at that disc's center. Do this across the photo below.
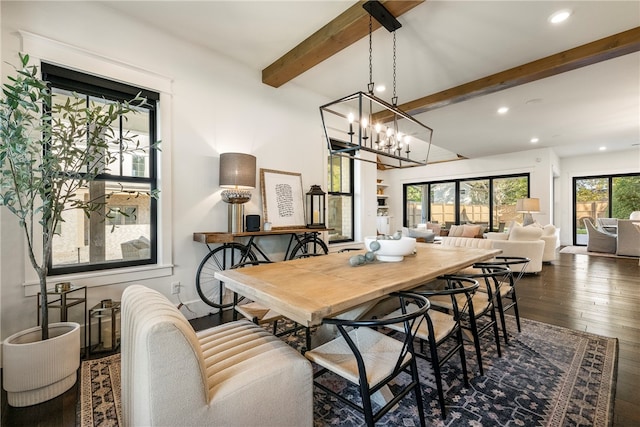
(49, 151)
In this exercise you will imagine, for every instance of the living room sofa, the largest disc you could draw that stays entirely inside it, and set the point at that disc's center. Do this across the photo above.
(524, 243)
(235, 374)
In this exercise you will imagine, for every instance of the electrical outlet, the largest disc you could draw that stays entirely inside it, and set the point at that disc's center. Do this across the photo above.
(175, 288)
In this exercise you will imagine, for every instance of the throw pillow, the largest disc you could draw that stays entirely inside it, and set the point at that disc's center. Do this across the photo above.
(470, 230)
(525, 233)
(549, 230)
(456, 231)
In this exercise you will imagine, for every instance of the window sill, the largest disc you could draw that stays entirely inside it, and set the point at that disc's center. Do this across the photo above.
(103, 278)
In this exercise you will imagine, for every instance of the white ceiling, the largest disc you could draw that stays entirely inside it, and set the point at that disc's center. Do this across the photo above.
(443, 44)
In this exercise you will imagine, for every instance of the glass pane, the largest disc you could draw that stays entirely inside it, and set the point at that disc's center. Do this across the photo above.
(118, 231)
(506, 191)
(474, 202)
(592, 202)
(135, 159)
(416, 205)
(339, 216)
(443, 203)
(625, 196)
(339, 174)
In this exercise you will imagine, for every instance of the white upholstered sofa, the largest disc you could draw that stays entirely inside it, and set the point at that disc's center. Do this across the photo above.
(526, 242)
(235, 374)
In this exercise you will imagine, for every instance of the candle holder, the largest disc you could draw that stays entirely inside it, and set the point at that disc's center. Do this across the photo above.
(315, 207)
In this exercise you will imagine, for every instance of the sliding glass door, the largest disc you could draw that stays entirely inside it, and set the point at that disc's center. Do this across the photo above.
(489, 201)
(612, 196)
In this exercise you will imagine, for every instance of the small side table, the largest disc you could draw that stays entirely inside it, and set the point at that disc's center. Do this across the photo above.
(104, 309)
(64, 301)
(61, 300)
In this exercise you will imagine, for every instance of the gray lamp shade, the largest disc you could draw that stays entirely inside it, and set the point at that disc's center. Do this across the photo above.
(237, 170)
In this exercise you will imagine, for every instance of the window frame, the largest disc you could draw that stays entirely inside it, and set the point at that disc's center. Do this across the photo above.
(94, 86)
(350, 194)
(574, 196)
(457, 186)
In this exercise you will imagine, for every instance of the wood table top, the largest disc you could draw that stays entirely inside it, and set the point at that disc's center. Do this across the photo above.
(228, 237)
(309, 289)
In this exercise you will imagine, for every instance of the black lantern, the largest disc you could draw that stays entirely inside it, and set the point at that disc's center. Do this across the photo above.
(315, 207)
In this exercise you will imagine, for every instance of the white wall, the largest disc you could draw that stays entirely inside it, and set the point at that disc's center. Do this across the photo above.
(216, 106)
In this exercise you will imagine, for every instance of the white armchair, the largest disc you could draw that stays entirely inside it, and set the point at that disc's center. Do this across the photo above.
(523, 242)
(235, 374)
(628, 242)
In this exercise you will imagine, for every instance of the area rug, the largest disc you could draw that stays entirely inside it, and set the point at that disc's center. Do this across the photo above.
(582, 250)
(547, 376)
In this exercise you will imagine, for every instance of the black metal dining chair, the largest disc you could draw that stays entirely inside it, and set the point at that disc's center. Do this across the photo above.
(371, 359)
(440, 327)
(482, 304)
(507, 297)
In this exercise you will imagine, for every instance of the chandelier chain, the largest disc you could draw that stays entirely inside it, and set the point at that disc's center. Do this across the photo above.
(395, 97)
(370, 87)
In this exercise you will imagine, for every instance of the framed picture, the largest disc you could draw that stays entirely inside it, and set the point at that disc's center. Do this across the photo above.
(282, 198)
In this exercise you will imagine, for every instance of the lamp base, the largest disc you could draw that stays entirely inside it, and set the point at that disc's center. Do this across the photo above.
(236, 218)
(527, 219)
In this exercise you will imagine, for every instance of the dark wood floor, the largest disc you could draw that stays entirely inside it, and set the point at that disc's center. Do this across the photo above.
(594, 294)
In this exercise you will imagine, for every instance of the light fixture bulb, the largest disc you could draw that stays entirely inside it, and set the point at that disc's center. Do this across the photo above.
(389, 132)
(364, 122)
(559, 16)
(350, 117)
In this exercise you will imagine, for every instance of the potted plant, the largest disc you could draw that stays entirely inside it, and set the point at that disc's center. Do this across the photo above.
(49, 150)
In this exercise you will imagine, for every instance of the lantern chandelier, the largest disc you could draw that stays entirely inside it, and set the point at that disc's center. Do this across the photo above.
(362, 121)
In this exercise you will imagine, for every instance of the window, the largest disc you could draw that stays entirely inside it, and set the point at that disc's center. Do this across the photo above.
(488, 201)
(340, 197)
(611, 196)
(128, 216)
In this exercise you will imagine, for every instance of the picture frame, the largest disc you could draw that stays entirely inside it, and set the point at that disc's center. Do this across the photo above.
(282, 198)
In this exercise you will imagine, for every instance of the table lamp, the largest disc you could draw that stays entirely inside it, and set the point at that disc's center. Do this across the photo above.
(238, 176)
(526, 206)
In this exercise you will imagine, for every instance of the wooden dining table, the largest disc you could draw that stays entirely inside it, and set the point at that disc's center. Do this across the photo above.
(308, 290)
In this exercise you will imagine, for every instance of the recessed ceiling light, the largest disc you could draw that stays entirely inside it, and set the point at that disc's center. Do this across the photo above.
(503, 110)
(602, 148)
(559, 16)
(381, 88)
(534, 140)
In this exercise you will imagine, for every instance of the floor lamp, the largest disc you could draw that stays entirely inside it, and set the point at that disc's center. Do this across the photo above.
(527, 206)
(238, 176)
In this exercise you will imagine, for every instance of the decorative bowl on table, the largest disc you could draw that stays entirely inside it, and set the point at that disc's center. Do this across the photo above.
(391, 250)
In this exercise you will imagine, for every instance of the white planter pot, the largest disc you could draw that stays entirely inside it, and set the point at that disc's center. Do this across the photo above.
(35, 371)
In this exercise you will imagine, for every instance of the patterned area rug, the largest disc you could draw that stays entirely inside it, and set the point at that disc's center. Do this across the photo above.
(547, 376)
(100, 392)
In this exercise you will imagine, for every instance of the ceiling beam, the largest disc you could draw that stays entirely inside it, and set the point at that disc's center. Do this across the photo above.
(343, 31)
(591, 53)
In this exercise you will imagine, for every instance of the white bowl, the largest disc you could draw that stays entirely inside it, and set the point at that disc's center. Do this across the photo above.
(392, 250)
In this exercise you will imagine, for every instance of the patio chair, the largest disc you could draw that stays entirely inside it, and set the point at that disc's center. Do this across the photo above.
(610, 225)
(599, 240)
